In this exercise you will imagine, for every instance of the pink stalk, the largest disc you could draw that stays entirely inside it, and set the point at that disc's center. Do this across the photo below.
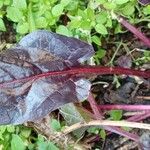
(125, 107)
(140, 117)
(96, 111)
(82, 71)
(117, 130)
(135, 31)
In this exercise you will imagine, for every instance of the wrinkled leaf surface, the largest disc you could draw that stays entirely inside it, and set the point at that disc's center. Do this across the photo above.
(39, 52)
(144, 2)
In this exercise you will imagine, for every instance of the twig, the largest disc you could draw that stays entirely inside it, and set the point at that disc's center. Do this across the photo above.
(107, 123)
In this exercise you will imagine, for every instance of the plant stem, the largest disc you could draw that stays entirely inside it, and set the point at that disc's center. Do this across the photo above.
(139, 117)
(135, 31)
(125, 107)
(117, 130)
(106, 123)
(83, 71)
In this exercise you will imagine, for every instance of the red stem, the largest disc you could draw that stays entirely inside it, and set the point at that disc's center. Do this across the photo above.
(135, 31)
(85, 70)
(125, 107)
(98, 115)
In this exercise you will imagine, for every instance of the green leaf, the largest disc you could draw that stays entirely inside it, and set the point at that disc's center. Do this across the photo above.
(72, 6)
(101, 17)
(57, 10)
(21, 4)
(147, 53)
(120, 1)
(63, 30)
(42, 146)
(23, 28)
(10, 128)
(14, 14)
(98, 55)
(96, 40)
(83, 14)
(2, 129)
(118, 29)
(94, 130)
(52, 146)
(1, 4)
(100, 28)
(40, 138)
(2, 25)
(31, 20)
(128, 9)
(146, 10)
(90, 14)
(7, 2)
(55, 125)
(1, 136)
(25, 132)
(41, 22)
(65, 2)
(110, 5)
(85, 24)
(75, 23)
(109, 23)
(72, 115)
(116, 114)
(103, 134)
(17, 143)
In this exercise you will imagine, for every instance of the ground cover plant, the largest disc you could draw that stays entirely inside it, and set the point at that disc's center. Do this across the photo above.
(44, 71)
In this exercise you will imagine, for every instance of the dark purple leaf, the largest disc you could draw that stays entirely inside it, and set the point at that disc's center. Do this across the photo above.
(39, 52)
(124, 61)
(144, 2)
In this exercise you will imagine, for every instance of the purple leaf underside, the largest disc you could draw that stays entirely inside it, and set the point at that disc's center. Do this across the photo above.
(38, 52)
(144, 2)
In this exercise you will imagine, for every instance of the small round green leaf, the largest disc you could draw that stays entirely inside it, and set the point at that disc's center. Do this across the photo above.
(128, 9)
(103, 134)
(21, 4)
(116, 114)
(14, 14)
(146, 10)
(25, 132)
(100, 28)
(57, 10)
(101, 17)
(63, 30)
(23, 28)
(96, 40)
(41, 22)
(11, 128)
